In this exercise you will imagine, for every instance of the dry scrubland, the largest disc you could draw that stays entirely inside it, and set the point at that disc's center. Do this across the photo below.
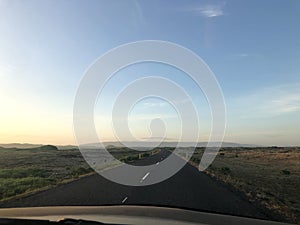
(270, 176)
(26, 170)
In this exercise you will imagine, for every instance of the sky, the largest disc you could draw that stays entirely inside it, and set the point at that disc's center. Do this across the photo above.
(252, 47)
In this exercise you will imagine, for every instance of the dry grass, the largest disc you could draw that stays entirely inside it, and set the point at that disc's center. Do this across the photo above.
(268, 175)
(28, 170)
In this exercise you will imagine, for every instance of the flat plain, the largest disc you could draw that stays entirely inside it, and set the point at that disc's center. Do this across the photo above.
(26, 170)
(269, 175)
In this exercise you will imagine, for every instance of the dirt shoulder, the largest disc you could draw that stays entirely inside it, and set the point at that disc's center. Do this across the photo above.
(266, 176)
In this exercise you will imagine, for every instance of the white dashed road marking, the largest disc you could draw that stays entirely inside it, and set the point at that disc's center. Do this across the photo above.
(124, 200)
(144, 177)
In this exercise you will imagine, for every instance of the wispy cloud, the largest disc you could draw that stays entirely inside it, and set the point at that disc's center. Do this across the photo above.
(244, 55)
(269, 101)
(210, 10)
(287, 103)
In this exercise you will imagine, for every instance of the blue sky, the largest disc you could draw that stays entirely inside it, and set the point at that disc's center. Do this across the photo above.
(253, 48)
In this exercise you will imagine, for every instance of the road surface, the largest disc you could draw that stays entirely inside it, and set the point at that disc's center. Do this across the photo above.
(188, 188)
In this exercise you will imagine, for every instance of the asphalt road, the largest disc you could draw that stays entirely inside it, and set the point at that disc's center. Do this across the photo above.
(188, 188)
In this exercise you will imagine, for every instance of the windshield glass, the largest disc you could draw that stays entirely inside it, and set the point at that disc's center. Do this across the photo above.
(185, 104)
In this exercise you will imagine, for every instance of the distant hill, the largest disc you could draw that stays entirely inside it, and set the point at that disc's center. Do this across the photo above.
(20, 145)
(167, 144)
(47, 148)
(120, 145)
(31, 146)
